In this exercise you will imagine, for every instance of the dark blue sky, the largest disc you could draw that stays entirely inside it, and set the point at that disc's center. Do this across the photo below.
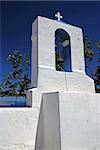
(17, 18)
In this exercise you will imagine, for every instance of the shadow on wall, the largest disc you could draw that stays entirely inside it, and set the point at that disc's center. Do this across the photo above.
(48, 132)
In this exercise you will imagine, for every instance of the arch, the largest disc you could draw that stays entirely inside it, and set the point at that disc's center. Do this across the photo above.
(62, 51)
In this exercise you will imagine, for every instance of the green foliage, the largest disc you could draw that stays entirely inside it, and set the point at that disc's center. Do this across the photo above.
(98, 44)
(17, 80)
(89, 54)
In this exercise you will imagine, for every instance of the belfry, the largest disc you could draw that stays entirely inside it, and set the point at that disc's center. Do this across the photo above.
(64, 112)
(51, 38)
(61, 90)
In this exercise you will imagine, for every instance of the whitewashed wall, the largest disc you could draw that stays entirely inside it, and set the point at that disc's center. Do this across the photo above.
(79, 117)
(78, 104)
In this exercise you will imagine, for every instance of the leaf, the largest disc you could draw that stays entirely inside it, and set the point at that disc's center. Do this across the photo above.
(20, 55)
(16, 52)
(28, 62)
(98, 44)
(26, 56)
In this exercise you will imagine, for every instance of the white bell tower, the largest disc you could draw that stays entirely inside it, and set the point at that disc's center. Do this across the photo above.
(65, 110)
(57, 94)
(43, 57)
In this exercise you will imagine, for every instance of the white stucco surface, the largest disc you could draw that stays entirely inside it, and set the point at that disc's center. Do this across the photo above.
(48, 133)
(43, 55)
(67, 99)
(17, 127)
(80, 121)
(78, 117)
(69, 121)
(46, 42)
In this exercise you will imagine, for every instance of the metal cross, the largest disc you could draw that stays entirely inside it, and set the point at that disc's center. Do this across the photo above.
(58, 16)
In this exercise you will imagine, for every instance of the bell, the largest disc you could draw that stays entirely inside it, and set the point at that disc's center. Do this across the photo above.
(60, 58)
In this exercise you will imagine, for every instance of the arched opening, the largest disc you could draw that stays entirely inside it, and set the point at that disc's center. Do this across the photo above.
(62, 51)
